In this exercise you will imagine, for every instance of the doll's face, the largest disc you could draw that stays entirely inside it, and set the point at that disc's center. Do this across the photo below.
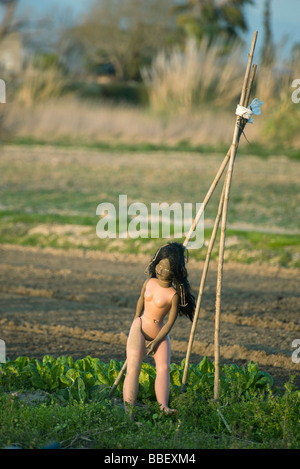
(163, 269)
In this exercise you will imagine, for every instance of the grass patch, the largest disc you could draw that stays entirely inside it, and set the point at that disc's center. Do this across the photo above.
(259, 424)
(77, 231)
(257, 416)
(119, 146)
(50, 196)
(33, 219)
(256, 149)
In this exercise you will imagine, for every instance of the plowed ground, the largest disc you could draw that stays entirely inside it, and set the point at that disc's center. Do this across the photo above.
(82, 303)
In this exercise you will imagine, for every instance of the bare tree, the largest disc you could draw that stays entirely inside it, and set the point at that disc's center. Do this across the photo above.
(124, 33)
(268, 49)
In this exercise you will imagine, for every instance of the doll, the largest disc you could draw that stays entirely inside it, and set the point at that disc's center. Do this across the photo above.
(166, 292)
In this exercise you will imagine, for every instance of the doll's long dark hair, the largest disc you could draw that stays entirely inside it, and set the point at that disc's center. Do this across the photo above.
(175, 253)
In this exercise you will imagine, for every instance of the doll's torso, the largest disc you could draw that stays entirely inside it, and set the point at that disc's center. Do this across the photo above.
(157, 304)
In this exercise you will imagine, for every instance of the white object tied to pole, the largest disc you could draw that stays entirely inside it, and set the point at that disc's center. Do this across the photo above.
(248, 112)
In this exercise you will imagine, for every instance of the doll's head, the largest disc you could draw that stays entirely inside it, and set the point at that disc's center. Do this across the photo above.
(175, 254)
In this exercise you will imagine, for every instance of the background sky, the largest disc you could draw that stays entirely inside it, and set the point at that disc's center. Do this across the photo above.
(285, 17)
(285, 22)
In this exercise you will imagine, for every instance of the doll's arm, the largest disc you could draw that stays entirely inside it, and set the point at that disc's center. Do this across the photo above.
(167, 327)
(140, 302)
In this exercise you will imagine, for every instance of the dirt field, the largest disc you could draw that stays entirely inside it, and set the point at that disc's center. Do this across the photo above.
(82, 303)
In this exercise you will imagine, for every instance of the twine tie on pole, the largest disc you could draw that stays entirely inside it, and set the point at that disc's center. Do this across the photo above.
(248, 112)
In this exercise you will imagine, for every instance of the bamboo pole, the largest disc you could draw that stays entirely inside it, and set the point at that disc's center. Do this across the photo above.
(212, 240)
(207, 198)
(201, 289)
(118, 379)
(250, 83)
(237, 133)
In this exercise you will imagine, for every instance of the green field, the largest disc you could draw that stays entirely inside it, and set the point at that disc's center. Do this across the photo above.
(50, 194)
(49, 197)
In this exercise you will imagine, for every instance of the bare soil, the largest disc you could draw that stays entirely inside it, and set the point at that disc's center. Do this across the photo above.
(78, 303)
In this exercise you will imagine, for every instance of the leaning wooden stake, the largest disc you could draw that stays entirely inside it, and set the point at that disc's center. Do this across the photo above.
(207, 198)
(237, 132)
(201, 289)
(118, 379)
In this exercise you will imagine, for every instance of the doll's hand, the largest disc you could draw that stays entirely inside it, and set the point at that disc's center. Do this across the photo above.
(152, 346)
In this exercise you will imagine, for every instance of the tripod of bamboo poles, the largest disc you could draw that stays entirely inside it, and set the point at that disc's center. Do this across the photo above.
(222, 210)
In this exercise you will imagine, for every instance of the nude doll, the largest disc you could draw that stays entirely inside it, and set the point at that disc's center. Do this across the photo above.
(164, 295)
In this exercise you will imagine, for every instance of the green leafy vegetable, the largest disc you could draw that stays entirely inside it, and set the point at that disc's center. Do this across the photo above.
(89, 378)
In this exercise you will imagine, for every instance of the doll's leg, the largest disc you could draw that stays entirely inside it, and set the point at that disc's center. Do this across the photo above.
(162, 359)
(135, 354)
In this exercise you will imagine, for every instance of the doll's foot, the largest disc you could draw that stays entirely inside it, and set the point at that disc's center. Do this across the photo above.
(168, 411)
(130, 411)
